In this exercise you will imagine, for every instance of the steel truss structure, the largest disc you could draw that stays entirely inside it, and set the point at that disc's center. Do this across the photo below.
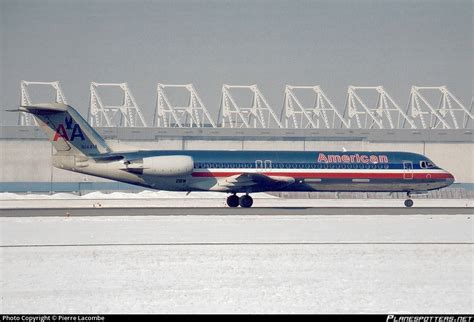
(322, 113)
(305, 107)
(447, 113)
(470, 123)
(25, 119)
(384, 114)
(258, 115)
(194, 114)
(126, 115)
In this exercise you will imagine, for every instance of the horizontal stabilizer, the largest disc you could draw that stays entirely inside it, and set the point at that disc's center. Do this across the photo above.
(44, 108)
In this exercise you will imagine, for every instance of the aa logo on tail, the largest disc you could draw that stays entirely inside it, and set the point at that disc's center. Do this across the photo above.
(62, 132)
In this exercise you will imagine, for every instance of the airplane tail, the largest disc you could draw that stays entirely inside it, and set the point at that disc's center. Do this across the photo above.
(67, 130)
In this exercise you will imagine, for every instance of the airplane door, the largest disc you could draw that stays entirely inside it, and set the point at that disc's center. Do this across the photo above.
(268, 165)
(407, 170)
(263, 165)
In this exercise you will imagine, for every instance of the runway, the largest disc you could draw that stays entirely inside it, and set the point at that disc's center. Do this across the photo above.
(258, 260)
(212, 211)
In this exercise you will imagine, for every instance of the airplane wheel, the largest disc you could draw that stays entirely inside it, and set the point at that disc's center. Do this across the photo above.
(408, 203)
(246, 201)
(233, 201)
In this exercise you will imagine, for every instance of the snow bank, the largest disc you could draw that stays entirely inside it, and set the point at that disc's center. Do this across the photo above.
(146, 194)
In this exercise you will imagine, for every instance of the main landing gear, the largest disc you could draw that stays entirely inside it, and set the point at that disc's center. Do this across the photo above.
(244, 201)
(408, 202)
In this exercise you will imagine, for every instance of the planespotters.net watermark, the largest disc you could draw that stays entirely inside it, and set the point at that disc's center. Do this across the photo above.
(52, 318)
(152, 317)
(428, 318)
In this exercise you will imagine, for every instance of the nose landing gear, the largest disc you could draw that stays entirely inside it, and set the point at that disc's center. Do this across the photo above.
(408, 203)
(244, 201)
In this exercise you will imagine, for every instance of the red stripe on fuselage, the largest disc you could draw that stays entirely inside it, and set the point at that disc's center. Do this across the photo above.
(334, 175)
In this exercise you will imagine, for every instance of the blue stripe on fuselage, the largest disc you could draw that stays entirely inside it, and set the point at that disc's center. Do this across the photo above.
(285, 159)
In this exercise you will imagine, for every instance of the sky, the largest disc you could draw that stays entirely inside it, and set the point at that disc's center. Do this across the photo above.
(334, 44)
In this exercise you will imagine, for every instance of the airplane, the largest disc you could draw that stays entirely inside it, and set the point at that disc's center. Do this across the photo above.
(80, 148)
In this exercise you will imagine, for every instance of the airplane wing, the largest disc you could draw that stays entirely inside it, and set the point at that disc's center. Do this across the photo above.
(257, 181)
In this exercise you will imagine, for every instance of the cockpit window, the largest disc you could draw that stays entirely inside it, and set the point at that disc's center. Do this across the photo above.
(426, 164)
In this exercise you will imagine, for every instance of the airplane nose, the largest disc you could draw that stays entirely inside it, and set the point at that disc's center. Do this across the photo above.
(449, 178)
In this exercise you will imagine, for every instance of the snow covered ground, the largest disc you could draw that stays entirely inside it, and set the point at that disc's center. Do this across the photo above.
(146, 194)
(155, 264)
(197, 199)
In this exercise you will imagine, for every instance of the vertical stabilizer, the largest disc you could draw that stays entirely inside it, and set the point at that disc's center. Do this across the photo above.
(67, 130)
